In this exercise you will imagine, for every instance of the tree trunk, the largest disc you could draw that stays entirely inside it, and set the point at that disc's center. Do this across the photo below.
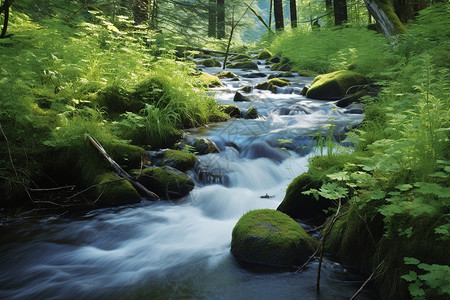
(5, 9)
(386, 18)
(328, 4)
(278, 12)
(220, 19)
(140, 11)
(340, 12)
(270, 13)
(293, 7)
(212, 18)
(154, 15)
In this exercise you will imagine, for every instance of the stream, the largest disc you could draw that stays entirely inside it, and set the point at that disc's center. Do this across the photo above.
(165, 250)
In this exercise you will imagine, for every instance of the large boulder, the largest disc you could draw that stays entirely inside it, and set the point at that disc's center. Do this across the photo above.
(334, 85)
(272, 84)
(265, 54)
(114, 191)
(240, 57)
(209, 63)
(179, 160)
(300, 206)
(205, 146)
(272, 238)
(167, 182)
(246, 65)
(127, 156)
(210, 80)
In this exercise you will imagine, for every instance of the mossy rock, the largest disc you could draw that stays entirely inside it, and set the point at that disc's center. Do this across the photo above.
(167, 182)
(114, 191)
(265, 54)
(210, 63)
(201, 55)
(246, 65)
(280, 63)
(252, 113)
(246, 89)
(226, 74)
(334, 85)
(218, 118)
(272, 84)
(205, 146)
(232, 110)
(180, 160)
(300, 206)
(210, 80)
(117, 100)
(272, 238)
(241, 57)
(127, 156)
(153, 89)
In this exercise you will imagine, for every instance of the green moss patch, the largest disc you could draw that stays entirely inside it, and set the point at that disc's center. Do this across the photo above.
(114, 191)
(180, 160)
(241, 57)
(210, 80)
(226, 74)
(272, 84)
(246, 65)
(205, 146)
(167, 182)
(270, 237)
(265, 54)
(334, 85)
(231, 110)
(127, 156)
(252, 113)
(209, 63)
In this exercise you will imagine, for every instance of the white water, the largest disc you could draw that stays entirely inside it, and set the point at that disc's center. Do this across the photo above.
(164, 250)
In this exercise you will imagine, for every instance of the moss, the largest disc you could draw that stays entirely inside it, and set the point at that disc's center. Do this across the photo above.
(154, 89)
(166, 182)
(246, 65)
(388, 7)
(246, 89)
(265, 54)
(114, 191)
(117, 100)
(210, 63)
(334, 85)
(232, 110)
(210, 80)
(205, 146)
(252, 113)
(127, 156)
(298, 205)
(306, 73)
(272, 84)
(226, 74)
(241, 57)
(269, 237)
(180, 160)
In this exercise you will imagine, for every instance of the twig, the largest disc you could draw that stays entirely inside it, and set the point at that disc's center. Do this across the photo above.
(367, 281)
(308, 261)
(71, 187)
(77, 11)
(92, 186)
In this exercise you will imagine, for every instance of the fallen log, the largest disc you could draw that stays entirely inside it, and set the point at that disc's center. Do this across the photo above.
(122, 173)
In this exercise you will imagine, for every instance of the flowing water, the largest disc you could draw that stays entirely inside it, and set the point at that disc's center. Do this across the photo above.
(164, 250)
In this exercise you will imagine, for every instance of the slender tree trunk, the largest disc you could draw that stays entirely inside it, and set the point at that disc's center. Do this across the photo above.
(154, 15)
(270, 13)
(5, 9)
(141, 11)
(293, 8)
(220, 19)
(328, 4)
(278, 12)
(212, 20)
(340, 12)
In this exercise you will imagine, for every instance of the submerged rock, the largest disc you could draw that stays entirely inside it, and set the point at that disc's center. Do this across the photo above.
(298, 205)
(334, 85)
(272, 238)
(167, 182)
(272, 84)
(226, 74)
(205, 146)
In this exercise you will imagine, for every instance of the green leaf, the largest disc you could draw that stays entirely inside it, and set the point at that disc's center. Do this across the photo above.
(411, 261)
(410, 277)
(404, 187)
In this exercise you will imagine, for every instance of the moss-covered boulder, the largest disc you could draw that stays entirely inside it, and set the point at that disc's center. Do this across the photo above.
(232, 110)
(300, 206)
(118, 100)
(179, 160)
(265, 54)
(209, 63)
(114, 191)
(272, 84)
(272, 238)
(210, 80)
(252, 113)
(247, 89)
(240, 57)
(226, 74)
(167, 182)
(245, 65)
(334, 85)
(127, 156)
(205, 146)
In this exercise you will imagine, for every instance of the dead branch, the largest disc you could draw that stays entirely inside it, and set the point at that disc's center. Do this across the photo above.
(121, 172)
(367, 281)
